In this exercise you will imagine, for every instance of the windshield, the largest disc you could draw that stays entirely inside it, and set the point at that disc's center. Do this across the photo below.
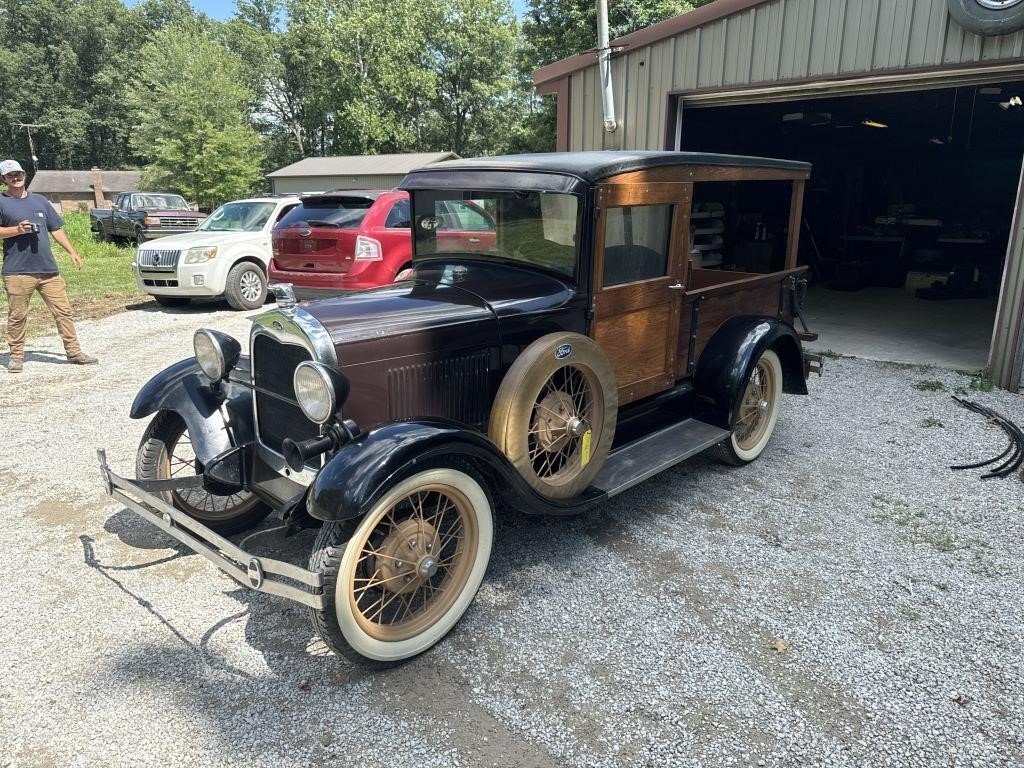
(538, 228)
(238, 217)
(159, 202)
(338, 212)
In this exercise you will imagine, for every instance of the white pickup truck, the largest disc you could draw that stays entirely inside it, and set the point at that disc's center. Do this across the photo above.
(227, 255)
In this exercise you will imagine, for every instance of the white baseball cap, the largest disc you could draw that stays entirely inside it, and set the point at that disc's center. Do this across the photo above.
(10, 166)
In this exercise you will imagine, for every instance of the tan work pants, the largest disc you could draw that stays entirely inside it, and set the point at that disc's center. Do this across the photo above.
(55, 293)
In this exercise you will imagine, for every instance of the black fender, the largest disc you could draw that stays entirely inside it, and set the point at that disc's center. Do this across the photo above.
(729, 358)
(361, 471)
(185, 389)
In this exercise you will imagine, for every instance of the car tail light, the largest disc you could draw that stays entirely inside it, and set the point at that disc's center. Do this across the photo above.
(368, 249)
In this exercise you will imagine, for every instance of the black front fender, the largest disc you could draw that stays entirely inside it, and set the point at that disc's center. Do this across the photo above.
(730, 356)
(361, 471)
(185, 390)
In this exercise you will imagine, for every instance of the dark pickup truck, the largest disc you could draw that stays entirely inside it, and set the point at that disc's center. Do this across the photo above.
(142, 216)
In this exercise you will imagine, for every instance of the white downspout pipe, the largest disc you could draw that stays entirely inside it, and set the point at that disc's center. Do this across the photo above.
(604, 60)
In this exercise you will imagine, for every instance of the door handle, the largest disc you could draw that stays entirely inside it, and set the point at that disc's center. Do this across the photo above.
(474, 239)
(677, 287)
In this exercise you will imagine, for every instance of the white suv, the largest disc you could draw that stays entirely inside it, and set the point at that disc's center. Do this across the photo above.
(227, 255)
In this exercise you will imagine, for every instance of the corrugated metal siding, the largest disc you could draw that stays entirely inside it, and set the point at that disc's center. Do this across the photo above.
(323, 183)
(779, 40)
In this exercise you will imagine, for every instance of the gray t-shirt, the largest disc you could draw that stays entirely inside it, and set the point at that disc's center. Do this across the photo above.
(29, 254)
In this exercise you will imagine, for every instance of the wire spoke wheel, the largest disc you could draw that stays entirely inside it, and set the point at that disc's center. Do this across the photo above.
(198, 502)
(554, 414)
(404, 574)
(756, 414)
(166, 452)
(561, 419)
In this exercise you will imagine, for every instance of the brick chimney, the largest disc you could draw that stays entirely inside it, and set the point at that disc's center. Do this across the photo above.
(97, 188)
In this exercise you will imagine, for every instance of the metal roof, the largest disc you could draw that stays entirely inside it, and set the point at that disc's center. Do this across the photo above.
(50, 182)
(360, 165)
(593, 166)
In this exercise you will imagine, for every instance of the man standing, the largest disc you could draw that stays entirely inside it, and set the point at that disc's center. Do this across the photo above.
(26, 222)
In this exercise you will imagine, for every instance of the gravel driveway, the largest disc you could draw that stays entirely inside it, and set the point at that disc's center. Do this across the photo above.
(846, 600)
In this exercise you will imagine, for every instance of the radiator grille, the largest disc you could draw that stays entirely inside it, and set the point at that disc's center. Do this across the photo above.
(157, 260)
(277, 413)
(457, 388)
(172, 222)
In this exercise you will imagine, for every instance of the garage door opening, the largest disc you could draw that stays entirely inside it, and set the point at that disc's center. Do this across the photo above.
(907, 214)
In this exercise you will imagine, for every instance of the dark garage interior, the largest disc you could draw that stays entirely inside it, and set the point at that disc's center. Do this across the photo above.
(908, 211)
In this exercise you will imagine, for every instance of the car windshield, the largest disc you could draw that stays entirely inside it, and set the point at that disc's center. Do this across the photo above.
(341, 212)
(238, 217)
(537, 228)
(159, 202)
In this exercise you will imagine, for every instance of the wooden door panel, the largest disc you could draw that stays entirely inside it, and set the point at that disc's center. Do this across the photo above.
(634, 344)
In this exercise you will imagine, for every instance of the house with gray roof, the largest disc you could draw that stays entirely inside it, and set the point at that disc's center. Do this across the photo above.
(82, 190)
(320, 174)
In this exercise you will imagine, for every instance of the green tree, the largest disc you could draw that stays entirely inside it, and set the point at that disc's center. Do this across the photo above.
(192, 106)
(64, 65)
(556, 29)
(477, 99)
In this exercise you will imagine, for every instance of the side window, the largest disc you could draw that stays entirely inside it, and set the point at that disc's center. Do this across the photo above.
(636, 243)
(399, 216)
(285, 209)
(470, 218)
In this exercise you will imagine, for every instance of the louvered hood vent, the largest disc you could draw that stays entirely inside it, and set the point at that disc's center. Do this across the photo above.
(456, 388)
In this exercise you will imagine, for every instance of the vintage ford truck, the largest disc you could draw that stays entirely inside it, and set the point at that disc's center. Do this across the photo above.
(142, 216)
(582, 352)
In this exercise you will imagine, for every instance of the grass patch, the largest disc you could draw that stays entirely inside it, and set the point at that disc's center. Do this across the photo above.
(912, 525)
(930, 385)
(980, 381)
(104, 286)
(830, 354)
(929, 421)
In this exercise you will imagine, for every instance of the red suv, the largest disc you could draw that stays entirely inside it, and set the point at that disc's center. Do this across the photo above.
(355, 239)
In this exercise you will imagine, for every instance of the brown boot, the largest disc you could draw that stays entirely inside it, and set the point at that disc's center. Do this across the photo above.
(15, 365)
(82, 359)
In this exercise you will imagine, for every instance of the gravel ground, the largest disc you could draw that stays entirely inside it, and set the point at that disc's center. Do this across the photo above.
(844, 601)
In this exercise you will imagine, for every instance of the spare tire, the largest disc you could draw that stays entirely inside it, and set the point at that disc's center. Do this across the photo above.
(554, 414)
(988, 17)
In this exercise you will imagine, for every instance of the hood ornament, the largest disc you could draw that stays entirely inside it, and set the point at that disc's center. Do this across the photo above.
(285, 295)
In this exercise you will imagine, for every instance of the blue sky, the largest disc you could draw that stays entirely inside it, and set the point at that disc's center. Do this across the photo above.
(224, 9)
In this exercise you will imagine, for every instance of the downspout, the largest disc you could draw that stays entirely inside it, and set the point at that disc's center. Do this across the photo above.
(604, 60)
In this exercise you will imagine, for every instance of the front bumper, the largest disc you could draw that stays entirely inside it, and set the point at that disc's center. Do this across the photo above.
(259, 573)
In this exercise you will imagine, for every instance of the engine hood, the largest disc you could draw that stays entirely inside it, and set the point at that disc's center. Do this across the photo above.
(204, 239)
(441, 294)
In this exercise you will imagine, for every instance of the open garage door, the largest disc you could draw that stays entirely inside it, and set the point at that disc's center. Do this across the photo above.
(908, 212)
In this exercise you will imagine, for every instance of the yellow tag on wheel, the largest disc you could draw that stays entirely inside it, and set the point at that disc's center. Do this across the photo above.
(585, 448)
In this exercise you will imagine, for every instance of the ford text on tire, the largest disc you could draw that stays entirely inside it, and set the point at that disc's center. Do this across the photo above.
(586, 347)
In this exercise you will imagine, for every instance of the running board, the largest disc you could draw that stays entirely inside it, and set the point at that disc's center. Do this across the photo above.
(637, 461)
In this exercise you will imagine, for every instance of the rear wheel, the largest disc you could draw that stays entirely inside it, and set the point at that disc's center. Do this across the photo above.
(102, 234)
(246, 286)
(166, 452)
(404, 575)
(757, 414)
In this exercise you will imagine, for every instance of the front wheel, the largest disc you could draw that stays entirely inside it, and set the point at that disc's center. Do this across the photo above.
(166, 452)
(757, 414)
(140, 238)
(409, 570)
(246, 286)
(988, 17)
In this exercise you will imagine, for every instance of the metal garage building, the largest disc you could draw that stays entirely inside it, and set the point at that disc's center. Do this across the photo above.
(321, 174)
(914, 124)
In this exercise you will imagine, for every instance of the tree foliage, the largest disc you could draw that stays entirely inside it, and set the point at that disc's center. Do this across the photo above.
(192, 106)
(206, 107)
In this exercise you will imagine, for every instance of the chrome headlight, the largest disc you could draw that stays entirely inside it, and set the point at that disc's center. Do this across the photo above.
(217, 353)
(200, 255)
(315, 391)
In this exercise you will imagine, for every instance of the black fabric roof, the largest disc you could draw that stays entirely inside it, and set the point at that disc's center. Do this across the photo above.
(594, 166)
